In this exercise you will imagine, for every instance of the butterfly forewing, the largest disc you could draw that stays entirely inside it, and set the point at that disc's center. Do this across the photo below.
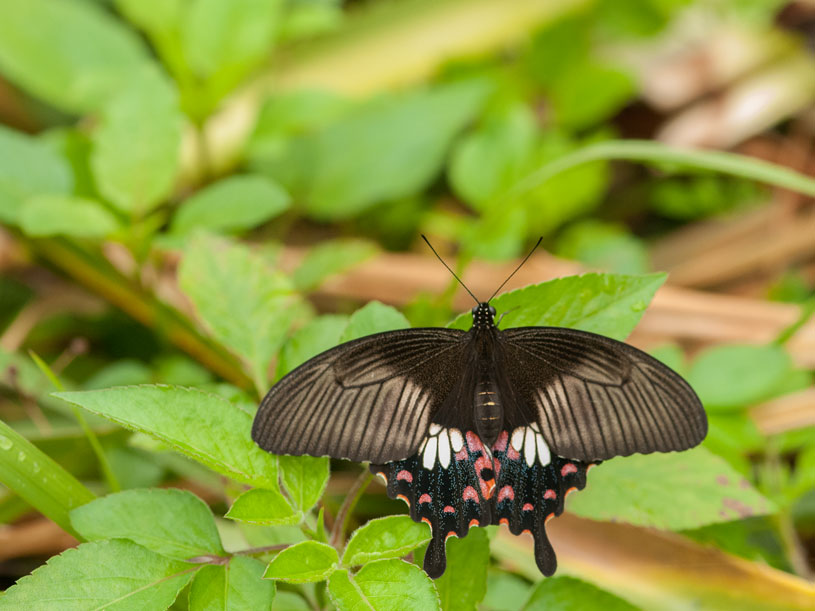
(594, 397)
(367, 400)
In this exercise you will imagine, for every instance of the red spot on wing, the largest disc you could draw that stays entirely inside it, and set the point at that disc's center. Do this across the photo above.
(426, 521)
(449, 509)
(506, 493)
(569, 491)
(567, 468)
(469, 494)
(405, 475)
(549, 517)
(403, 498)
(481, 463)
(501, 443)
(473, 442)
(462, 454)
(527, 507)
(474, 522)
(512, 453)
(487, 488)
(425, 498)
(550, 494)
(526, 531)
(452, 533)
(504, 521)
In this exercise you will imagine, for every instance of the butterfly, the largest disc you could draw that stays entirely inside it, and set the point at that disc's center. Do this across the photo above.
(480, 427)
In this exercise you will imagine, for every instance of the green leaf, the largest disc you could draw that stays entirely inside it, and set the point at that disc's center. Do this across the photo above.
(464, 582)
(29, 167)
(305, 478)
(229, 36)
(236, 586)
(101, 575)
(588, 94)
(304, 562)
(173, 523)
(49, 215)
(672, 491)
(384, 585)
(310, 340)
(153, 16)
(38, 479)
(136, 147)
(736, 376)
(488, 161)
(329, 258)
(71, 53)
(231, 205)
(570, 594)
(505, 592)
(604, 246)
(609, 304)
(374, 317)
(248, 306)
(205, 427)
(259, 506)
(388, 537)
(386, 149)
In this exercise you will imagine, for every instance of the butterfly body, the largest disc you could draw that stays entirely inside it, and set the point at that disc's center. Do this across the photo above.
(484, 426)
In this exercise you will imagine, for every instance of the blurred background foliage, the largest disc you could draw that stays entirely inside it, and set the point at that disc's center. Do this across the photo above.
(202, 193)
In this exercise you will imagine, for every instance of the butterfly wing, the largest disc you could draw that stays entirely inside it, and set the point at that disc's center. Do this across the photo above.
(594, 397)
(366, 400)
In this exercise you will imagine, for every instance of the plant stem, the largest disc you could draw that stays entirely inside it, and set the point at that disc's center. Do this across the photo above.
(807, 310)
(262, 550)
(98, 275)
(655, 152)
(93, 440)
(351, 500)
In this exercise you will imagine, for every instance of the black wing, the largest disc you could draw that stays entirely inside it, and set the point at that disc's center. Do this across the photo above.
(370, 399)
(594, 397)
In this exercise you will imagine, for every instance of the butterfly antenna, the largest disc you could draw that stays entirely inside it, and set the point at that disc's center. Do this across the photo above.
(520, 265)
(450, 270)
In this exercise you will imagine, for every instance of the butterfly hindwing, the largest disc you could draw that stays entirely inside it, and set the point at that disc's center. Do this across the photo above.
(531, 487)
(366, 400)
(594, 398)
(444, 485)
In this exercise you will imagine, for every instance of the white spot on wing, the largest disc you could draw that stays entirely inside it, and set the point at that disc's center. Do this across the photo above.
(456, 440)
(544, 456)
(434, 429)
(429, 458)
(444, 449)
(529, 447)
(517, 440)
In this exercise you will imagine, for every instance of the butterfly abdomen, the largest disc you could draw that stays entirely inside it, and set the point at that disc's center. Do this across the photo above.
(488, 411)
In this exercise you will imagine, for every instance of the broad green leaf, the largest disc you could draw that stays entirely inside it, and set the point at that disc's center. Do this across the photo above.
(205, 427)
(101, 575)
(38, 479)
(310, 340)
(609, 304)
(388, 537)
(374, 317)
(248, 306)
(50, 215)
(170, 522)
(71, 53)
(384, 585)
(305, 478)
(329, 258)
(136, 147)
(153, 16)
(506, 592)
(487, 162)
(29, 167)
(231, 205)
(386, 149)
(229, 36)
(259, 506)
(735, 376)
(236, 586)
(588, 94)
(464, 582)
(604, 246)
(303, 563)
(674, 491)
(570, 594)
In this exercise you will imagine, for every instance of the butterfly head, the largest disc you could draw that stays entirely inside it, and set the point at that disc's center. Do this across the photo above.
(483, 316)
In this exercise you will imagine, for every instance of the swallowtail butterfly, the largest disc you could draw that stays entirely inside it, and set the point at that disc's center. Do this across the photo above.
(484, 426)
